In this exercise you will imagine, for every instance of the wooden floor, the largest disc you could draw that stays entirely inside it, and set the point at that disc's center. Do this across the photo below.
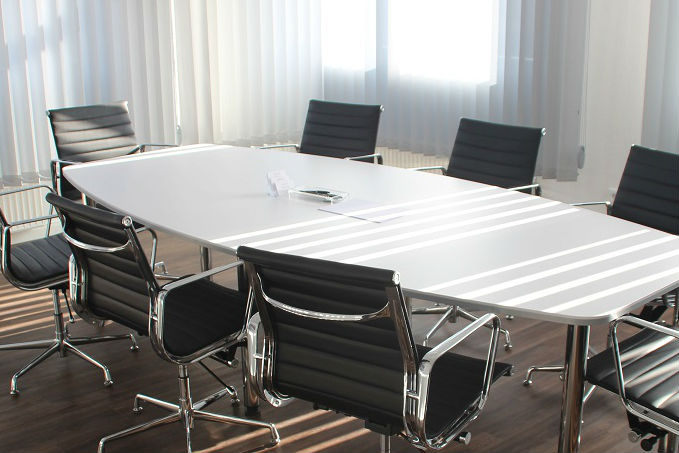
(64, 406)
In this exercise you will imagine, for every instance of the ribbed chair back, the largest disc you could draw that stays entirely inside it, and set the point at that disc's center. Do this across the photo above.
(91, 132)
(115, 284)
(497, 154)
(351, 367)
(337, 129)
(648, 192)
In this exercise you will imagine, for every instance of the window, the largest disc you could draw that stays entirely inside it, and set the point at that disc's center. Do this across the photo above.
(453, 40)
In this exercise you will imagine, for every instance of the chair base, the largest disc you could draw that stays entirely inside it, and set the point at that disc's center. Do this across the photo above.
(187, 412)
(62, 343)
(450, 314)
(554, 369)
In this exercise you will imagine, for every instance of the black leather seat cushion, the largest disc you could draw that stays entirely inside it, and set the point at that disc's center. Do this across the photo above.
(455, 384)
(650, 363)
(199, 314)
(40, 260)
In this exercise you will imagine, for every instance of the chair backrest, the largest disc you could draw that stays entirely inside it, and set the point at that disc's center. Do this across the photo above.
(91, 132)
(497, 154)
(321, 352)
(648, 192)
(114, 280)
(337, 129)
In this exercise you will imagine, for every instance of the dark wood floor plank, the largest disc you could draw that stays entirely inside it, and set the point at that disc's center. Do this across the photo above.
(64, 406)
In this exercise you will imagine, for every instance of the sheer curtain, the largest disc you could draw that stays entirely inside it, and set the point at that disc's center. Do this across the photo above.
(64, 53)
(242, 71)
(532, 73)
(661, 104)
(248, 68)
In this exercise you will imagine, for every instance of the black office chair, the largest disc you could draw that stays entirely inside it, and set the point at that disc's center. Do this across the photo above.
(342, 130)
(188, 319)
(89, 133)
(497, 154)
(43, 264)
(648, 194)
(644, 371)
(339, 336)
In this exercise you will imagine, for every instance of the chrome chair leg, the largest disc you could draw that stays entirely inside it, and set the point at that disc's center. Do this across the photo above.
(228, 390)
(151, 400)
(61, 344)
(541, 369)
(187, 412)
(39, 344)
(103, 338)
(13, 390)
(451, 314)
(554, 369)
(385, 443)
(107, 374)
(137, 429)
(469, 317)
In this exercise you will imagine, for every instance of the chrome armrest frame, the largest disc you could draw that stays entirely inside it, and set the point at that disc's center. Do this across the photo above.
(6, 237)
(427, 364)
(157, 318)
(56, 169)
(433, 167)
(286, 145)
(595, 203)
(142, 146)
(528, 186)
(638, 410)
(377, 158)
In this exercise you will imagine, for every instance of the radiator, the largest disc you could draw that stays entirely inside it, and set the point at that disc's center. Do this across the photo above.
(407, 159)
(24, 205)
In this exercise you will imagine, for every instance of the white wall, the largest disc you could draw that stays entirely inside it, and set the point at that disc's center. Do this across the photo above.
(613, 99)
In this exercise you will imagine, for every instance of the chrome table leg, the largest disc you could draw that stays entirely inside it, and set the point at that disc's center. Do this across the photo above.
(205, 259)
(577, 342)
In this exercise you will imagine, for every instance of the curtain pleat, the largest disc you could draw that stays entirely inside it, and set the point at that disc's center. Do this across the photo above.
(661, 103)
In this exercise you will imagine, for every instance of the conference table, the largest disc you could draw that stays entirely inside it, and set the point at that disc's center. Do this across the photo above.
(453, 241)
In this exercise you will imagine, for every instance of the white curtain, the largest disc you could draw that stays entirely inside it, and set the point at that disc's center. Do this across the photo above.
(248, 68)
(661, 103)
(59, 53)
(242, 71)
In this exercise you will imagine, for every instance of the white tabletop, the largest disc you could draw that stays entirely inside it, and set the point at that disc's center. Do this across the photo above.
(452, 241)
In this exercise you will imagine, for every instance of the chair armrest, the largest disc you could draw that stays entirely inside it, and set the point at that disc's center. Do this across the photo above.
(434, 167)
(528, 186)
(26, 189)
(287, 145)
(427, 365)
(34, 219)
(142, 146)
(31, 220)
(65, 162)
(373, 156)
(195, 277)
(595, 203)
(632, 407)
